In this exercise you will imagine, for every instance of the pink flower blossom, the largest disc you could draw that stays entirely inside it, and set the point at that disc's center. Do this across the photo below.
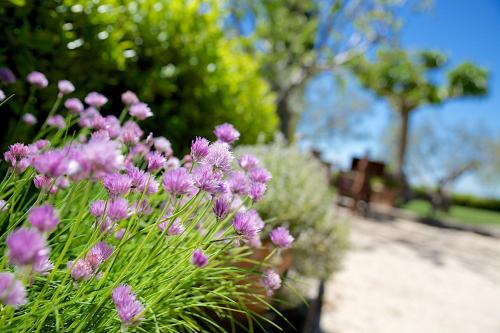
(37, 79)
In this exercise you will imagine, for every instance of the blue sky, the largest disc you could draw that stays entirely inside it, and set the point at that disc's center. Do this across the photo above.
(464, 30)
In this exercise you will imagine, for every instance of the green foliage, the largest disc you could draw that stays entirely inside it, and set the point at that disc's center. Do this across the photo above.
(299, 196)
(403, 78)
(464, 200)
(467, 80)
(457, 213)
(173, 54)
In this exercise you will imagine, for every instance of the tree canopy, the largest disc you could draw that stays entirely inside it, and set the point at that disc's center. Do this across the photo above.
(173, 54)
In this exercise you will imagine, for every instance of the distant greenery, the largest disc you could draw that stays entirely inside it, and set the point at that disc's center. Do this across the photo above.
(457, 213)
(465, 200)
(173, 54)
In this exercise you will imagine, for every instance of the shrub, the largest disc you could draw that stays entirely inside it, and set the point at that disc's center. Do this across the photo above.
(299, 196)
(102, 227)
(173, 53)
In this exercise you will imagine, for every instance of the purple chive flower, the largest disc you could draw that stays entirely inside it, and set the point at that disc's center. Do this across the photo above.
(206, 179)
(247, 162)
(86, 268)
(136, 175)
(112, 126)
(56, 121)
(256, 219)
(177, 182)
(80, 270)
(140, 110)
(281, 237)
(29, 119)
(37, 79)
(16, 151)
(119, 234)
(238, 183)
(6, 76)
(62, 182)
(2, 95)
(128, 307)
(271, 281)
(226, 133)
(95, 99)
(99, 135)
(12, 291)
(65, 87)
(44, 218)
(219, 156)
(118, 209)
(26, 246)
(257, 191)
(199, 258)
(43, 266)
(129, 98)
(97, 208)
(88, 117)
(143, 208)
(199, 148)
(254, 242)
(148, 186)
(4, 205)
(260, 175)
(173, 163)
(156, 161)
(41, 144)
(52, 163)
(163, 145)
(74, 105)
(220, 208)
(246, 225)
(105, 225)
(98, 254)
(117, 184)
(129, 137)
(176, 228)
(102, 157)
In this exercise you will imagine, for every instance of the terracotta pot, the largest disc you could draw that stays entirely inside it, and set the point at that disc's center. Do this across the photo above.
(259, 255)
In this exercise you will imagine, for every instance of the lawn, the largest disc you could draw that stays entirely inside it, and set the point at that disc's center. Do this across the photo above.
(457, 213)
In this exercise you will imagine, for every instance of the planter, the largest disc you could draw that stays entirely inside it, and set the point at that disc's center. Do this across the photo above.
(259, 256)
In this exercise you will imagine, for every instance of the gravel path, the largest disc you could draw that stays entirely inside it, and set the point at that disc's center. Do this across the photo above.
(405, 277)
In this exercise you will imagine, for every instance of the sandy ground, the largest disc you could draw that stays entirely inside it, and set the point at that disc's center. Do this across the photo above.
(406, 277)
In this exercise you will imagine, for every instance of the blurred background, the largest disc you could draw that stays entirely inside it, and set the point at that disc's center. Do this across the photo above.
(379, 119)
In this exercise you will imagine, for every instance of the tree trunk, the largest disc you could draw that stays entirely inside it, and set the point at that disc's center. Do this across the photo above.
(403, 143)
(285, 115)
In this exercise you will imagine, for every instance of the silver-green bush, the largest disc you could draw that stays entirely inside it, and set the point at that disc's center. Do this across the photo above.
(299, 196)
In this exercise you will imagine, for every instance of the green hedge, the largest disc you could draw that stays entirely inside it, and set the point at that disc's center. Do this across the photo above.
(172, 53)
(465, 200)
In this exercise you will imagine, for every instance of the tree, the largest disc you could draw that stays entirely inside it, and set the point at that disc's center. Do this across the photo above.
(403, 79)
(441, 154)
(296, 40)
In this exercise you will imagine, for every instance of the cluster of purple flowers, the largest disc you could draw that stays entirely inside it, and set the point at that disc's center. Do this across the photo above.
(28, 251)
(209, 173)
(128, 307)
(88, 267)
